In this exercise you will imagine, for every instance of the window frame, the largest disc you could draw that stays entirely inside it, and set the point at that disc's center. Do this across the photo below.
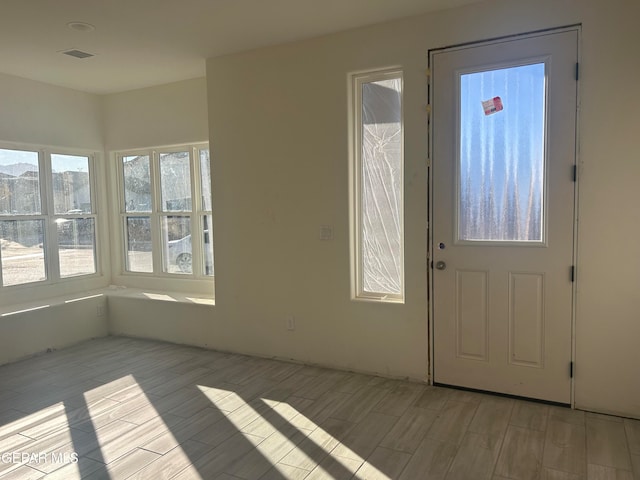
(156, 214)
(543, 241)
(356, 80)
(49, 217)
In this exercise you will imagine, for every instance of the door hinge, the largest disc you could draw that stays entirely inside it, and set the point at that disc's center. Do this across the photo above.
(573, 273)
(575, 173)
(427, 73)
(571, 369)
(428, 162)
(577, 71)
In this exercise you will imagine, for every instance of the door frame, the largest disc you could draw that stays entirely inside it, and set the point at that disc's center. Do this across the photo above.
(430, 189)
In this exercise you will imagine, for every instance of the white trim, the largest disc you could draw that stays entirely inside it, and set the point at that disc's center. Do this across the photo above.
(355, 82)
(576, 210)
(543, 242)
(158, 278)
(431, 241)
(55, 284)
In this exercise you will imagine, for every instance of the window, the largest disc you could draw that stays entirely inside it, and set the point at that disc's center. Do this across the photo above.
(501, 160)
(377, 186)
(166, 211)
(47, 217)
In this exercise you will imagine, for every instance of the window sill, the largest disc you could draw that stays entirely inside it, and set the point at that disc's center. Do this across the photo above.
(19, 308)
(181, 287)
(106, 293)
(378, 299)
(159, 295)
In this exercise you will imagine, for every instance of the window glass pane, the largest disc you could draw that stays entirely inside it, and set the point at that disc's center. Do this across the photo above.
(175, 182)
(176, 243)
(381, 201)
(205, 179)
(137, 183)
(22, 251)
(501, 171)
(139, 246)
(19, 183)
(207, 221)
(71, 187)
(76, 246)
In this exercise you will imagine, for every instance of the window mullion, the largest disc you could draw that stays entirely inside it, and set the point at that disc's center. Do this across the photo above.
(156, 215)
(50, 247)
(94, 199)
(196, 207)
(124, 238)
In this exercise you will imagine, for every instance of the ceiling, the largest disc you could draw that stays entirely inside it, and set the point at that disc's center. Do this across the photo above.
(140, 43)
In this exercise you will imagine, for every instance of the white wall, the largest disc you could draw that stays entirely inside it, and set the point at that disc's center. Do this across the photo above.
(173, 319)
(53, 325)
(278, 131)
(39, 115)
(156, 116)
(278, 121)
(608, 313)
(36, 114)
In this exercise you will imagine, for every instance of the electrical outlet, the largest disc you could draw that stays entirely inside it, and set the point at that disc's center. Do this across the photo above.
(100, 311)
(291, 323)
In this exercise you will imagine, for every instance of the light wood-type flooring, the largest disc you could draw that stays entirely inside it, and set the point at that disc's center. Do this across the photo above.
(130, 408)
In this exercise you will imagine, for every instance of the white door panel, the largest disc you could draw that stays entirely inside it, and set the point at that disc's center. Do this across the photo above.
(503, 214)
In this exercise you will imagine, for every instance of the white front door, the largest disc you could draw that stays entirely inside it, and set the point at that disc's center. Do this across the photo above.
(503, 200)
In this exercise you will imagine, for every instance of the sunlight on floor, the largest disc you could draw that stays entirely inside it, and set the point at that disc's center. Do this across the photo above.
(290, 435)
(19, 451)
(92, 434)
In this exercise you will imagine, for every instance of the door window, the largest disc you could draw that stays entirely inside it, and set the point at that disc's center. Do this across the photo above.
(502, 154)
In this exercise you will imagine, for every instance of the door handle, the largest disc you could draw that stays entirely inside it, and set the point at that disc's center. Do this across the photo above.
(441, 265)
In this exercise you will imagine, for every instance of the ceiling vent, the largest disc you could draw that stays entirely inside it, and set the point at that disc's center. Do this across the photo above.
(78, 53)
